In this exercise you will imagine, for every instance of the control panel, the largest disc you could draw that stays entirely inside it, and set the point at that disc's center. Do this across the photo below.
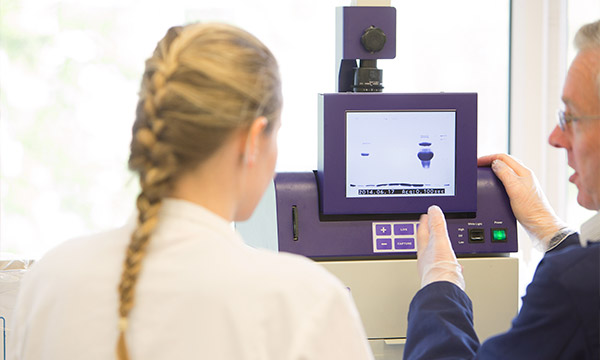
(391, 237)
(401, 237)
(300, 229)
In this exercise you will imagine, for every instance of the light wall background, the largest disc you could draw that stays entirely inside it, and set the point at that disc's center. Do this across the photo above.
(70, 70)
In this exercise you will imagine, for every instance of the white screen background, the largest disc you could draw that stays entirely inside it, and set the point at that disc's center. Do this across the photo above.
(382, 148)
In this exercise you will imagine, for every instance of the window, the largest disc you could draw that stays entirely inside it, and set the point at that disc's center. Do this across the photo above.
(70, 71)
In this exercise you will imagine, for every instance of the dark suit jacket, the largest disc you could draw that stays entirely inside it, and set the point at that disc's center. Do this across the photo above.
(559, 319)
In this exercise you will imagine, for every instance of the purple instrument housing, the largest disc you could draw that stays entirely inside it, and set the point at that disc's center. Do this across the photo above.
(308, 213)
(300, 229)
(352, 22)
(331, 170)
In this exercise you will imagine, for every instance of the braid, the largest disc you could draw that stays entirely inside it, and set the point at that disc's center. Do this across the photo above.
(156, 163)
(203, 82)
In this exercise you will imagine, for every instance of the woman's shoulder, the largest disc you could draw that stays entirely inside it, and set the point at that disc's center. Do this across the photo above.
(84, 253)
(295, 273)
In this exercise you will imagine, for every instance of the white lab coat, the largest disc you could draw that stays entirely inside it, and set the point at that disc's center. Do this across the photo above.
(202, 294)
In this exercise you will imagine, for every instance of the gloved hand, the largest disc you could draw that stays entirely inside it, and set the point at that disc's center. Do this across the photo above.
(435, 258)
(528, 202)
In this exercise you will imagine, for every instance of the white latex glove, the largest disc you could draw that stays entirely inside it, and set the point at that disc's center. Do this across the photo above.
(435, 258)
(528, 202)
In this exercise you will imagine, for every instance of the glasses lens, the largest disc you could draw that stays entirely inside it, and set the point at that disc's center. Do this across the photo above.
(561, 120)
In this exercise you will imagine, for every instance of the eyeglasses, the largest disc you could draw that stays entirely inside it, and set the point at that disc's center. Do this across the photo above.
(564, 119)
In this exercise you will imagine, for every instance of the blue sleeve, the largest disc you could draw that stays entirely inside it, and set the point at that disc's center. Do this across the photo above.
(571, 240)
(560, 314)
(440, 324)
(559, 317)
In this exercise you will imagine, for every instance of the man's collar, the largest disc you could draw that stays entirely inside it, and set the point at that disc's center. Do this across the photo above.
(590, 230)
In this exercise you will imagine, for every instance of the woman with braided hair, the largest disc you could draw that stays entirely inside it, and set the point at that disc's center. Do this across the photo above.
(204, 145)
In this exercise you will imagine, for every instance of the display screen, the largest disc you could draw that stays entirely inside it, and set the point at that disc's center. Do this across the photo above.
(400, 153)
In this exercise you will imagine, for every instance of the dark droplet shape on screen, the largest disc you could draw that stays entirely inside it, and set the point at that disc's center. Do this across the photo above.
(425, 155)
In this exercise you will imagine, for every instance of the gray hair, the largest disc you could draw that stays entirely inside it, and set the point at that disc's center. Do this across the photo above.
(588, 37)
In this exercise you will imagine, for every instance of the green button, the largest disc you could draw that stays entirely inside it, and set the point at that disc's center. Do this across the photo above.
(498, 235)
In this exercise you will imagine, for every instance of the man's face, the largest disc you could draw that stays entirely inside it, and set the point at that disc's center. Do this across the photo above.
(581, 138)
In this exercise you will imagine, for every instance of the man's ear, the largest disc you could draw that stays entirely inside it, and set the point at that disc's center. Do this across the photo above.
(254, 140)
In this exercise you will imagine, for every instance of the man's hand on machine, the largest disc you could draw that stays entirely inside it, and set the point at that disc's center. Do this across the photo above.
(436, 260)
(528, 202)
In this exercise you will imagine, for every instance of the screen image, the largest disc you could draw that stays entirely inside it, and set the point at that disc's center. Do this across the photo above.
(400, 153)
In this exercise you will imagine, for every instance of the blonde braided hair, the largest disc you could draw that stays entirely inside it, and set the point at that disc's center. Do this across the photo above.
(202, 82)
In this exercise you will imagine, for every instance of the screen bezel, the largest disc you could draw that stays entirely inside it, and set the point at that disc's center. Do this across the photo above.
(331, 171)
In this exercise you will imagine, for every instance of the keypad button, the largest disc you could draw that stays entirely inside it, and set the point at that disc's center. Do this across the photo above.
(404, 243)
(383, 229)
(384, 244)
(404, 229)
